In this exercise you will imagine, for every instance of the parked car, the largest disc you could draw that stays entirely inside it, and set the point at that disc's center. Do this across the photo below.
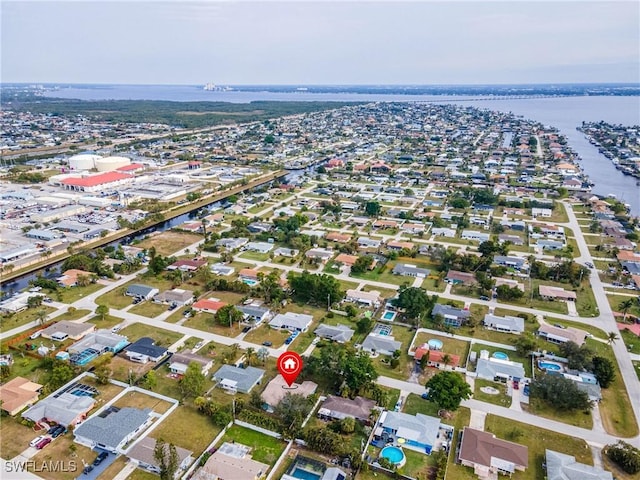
(589, 264)
(246, 329)
(100, 458)
(36, 440)
(87, 470)
(267, 344)
(516, 385)
(115, 329)
(57, 431)
(43, 443)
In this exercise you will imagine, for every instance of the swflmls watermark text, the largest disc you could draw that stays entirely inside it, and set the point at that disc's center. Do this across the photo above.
(13, 468)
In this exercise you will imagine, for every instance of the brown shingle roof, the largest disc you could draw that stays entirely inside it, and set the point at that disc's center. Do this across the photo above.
(481, 447)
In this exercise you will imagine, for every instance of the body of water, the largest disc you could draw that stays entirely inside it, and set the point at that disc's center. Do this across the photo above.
(563, 113)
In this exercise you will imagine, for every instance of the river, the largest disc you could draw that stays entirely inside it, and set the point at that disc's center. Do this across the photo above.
(564, 113)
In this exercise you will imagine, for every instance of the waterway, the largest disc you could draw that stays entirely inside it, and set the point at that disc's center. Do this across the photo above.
(563, 113)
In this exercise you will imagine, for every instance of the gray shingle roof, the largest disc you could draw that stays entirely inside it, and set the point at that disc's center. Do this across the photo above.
(565, 467)
(62, 409)
(337, 333)
(246, 378)
(381, 343)
(420, 428)
(111, 429)
(514, 324)
(447, 311)
(489, 368)
(139, 290)
(146, 346)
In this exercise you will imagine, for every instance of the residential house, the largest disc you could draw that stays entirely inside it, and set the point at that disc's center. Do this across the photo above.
(436, 358)
(339, 408)
(260, 227)
(398, 245)
(180, 361)
(366, 242)
(188, 265)
(259, 247)
(517, 263)
(145, 350)
(338, 333)
(277, 388)
(384, 224)
(143, 455)
(177, 296)
(418, 431)
(69, 278)
(294, 322)
(408, 270)
(222, 269)
(475, 235)
(509, 282)
(338, 237)
(413, 228)
(506, 324)
(113, 428)
(236, 379)
(556, 293)
(456, 278)
(490, 456)
(558, 335)
(513, 239)
(452, 316)
(96, 343)
(286, 252)
(321, 254)
(18, 394)
(63, 408)
(549, 244)
(248, 274)
(232, 461)
(371, 299)
(497, 369)
(231, 243)
(443, 232)
(254, 314)
(381, 344)
(210, 305)
(565, 467)
(66, 329)
(141, 291)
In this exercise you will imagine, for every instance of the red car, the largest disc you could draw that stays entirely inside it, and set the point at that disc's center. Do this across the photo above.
(43, 443)
(516, 385)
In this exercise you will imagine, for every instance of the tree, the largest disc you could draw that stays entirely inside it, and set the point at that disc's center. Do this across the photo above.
(102, 368)
(488, 248)
(228, 315)
(579, 357)
(364, 324)
(559, 392)
(150, 380)
(316, 289)
(167, 459)
(83, 280)
(34, 301)
(612, 337)
(192, 382)
(625, 455)
(292, 410)
(415, 302)
(102, 311)
(624, 307)
(250, 356)
(525, 344)
(61, 373)
(362, 264)
(372, 209)
(604, 370)
(41, 316)
(448, 389)
(505, 292)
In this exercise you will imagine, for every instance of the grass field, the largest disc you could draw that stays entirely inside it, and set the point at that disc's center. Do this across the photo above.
(169, 242)
(149, 309)
(59, 450)
(73, 294)
(108, 321)
(266, 449)
(117, 299)
(187, 428)
(142, 400)
(577, 418)
(264, 333)
(161, 336)
(10, 321)
(112, 470)
(501, 398)
(74, 314)
(450, 345)
(14, 437)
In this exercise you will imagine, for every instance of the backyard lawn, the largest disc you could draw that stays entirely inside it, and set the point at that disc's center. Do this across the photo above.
(162, 337)
(169, 242)
(187, 428)
(451, 346)
(142, 400)
(265, 449)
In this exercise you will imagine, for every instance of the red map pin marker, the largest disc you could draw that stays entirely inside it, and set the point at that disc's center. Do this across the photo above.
(290, 366)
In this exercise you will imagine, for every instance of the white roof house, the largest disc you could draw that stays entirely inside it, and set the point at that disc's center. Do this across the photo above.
(295, 322)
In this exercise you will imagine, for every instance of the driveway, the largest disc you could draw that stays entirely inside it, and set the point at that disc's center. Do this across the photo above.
(99, 469)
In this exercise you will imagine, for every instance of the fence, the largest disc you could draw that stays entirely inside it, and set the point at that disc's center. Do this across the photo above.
(258, 429)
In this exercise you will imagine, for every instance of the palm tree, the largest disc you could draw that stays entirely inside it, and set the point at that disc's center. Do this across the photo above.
(250, 355)
(41, 316)
(611, 337)
(446, 359)
(624, 307)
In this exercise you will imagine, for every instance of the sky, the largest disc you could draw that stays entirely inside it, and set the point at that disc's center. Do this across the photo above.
(319, 42)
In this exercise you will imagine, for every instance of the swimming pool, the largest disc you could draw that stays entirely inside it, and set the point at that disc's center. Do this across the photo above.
(556, 367)
(500, 355)
(389, 316)
(305, 474)
(382, 329)
(435, 344)
(248, 281)
(394, 454)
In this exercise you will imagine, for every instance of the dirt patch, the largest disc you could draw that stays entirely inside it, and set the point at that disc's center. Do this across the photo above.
(169, 242)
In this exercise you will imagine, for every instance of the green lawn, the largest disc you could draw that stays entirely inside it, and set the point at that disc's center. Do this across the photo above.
(72, 294)
(578, 418)
(616, 300)
(10, 321)
(264, 333)
(187, 428)
(161, 336)
(404, 368)
(450, 345)
(631, 340)
(455, 471)
(118, 300)
(205, 322)
(636, 366)
(149, 309)
(108, 322)
(265, 449)
(501, 398)
(260, 257)
(536, 440)
(74, 314)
